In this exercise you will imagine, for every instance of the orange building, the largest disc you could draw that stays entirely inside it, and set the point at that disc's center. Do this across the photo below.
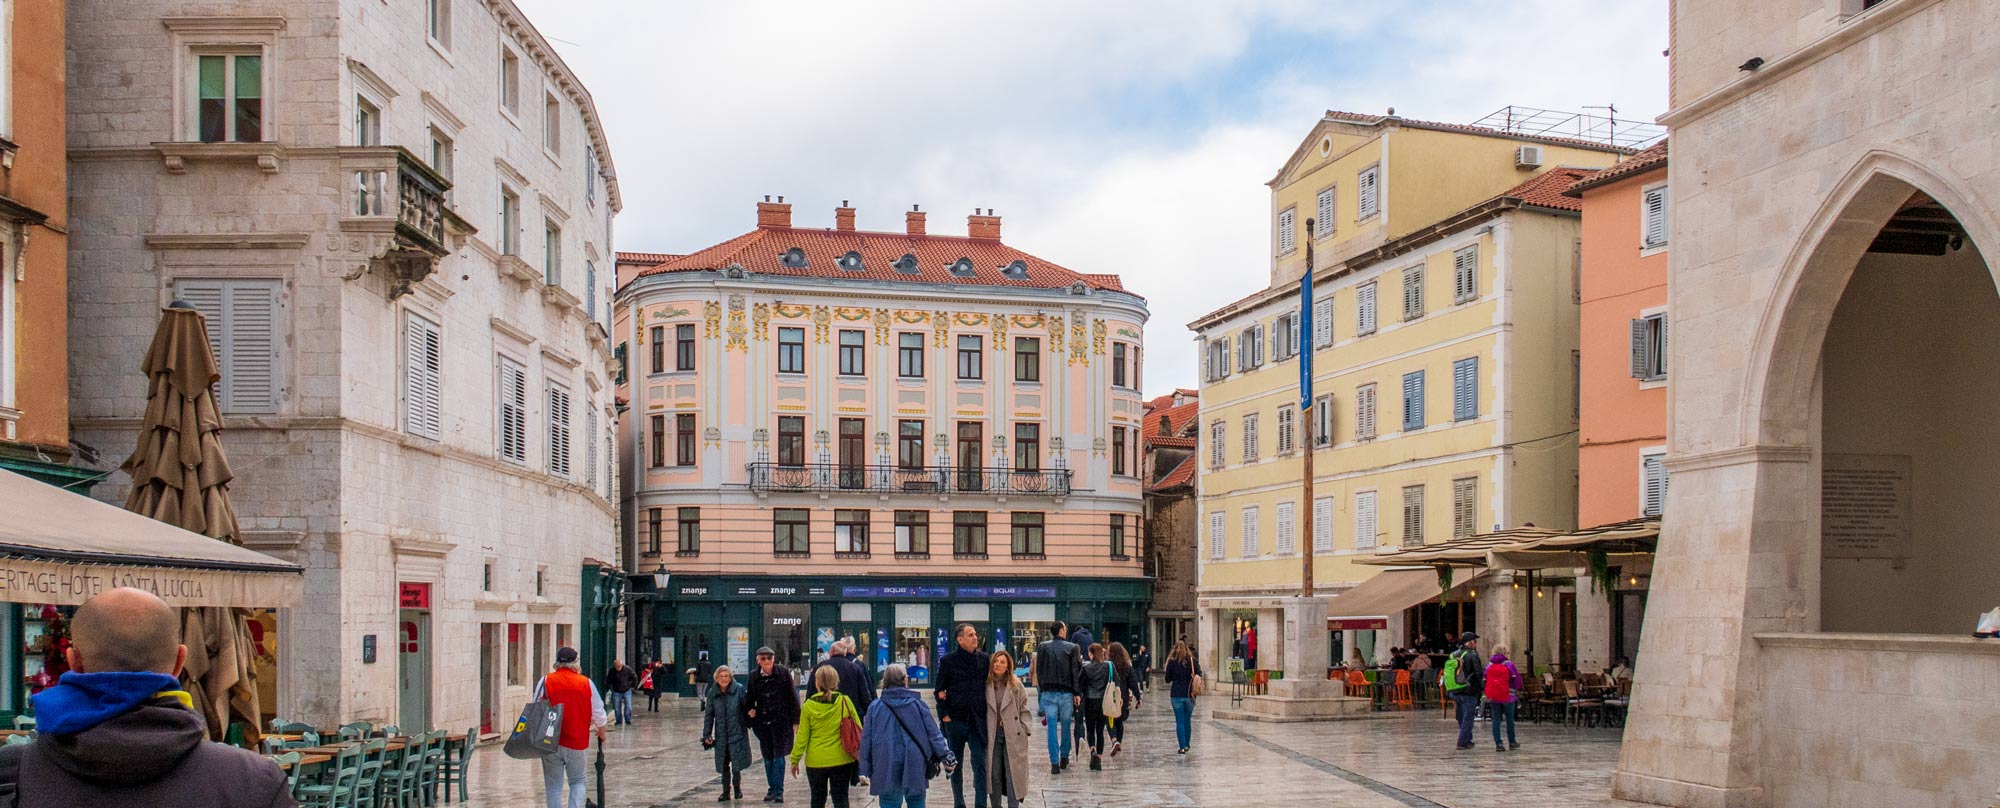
(34, 304)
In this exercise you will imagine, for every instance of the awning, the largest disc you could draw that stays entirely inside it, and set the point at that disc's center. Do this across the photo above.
(1368, 605)
(1620, 541)
(1467, 552)
(62, 548)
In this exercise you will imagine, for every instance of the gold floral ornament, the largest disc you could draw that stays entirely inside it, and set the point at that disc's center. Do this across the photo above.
(711, 316)
(1055, 334)
(760, 322)
(999, 332)
(1026, 321)
(851, 314)
(792, 310)
(969, 319)
(1097, 337)
(736, 329)
(881, 326)
(912, 317)
(822, 317)
(1077, 350)
(940, 323)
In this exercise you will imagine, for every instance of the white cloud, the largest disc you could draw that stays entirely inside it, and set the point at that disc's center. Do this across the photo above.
(1066, 117)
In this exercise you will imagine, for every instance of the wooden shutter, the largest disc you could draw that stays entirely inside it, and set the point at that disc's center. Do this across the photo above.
(1413, 516)
(1364, 189)
(1364, 309)
(1656, 217)
(513, 411)
(1323, 525)
(1250, 533)
(559, 444)
(1322, 314)
(1641, 360)
(1215, 534)
(1364, 520)
(1287, 238)
(1285, 542)
(1413, 400)
(1465, 274)
(1653, 482)
(1364, 412)
(1465, 389)
(242, 318)
(1323, 213)
(590, 448)
(423, 371)
(1413, 292)
(1464, 509)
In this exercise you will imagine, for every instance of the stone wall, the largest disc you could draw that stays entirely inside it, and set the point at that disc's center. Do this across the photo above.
(1173, 537)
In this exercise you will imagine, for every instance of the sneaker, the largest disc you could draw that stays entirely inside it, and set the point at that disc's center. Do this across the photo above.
(1115, 746)
(1511, 746)
(1055, 769)
(1065, 763)
(1183, 750)
(1096, 763)
(1465, 746)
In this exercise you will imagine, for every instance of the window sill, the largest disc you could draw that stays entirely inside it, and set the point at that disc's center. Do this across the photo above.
(1648, 252)
(687, 553)
(851, 554)
(969, 556)
(911, 381)
(511, 116)
(1652, 384)
(1411, 318)
(791, 376)
(1464, 300)
(1034, 386)
(176, 155)
(784, 554)
(851, 378)
(1120, 557)
(975, 381)
(910, 556)
(650, 554)
(442, 50)
(554, 156)
(1030, 556)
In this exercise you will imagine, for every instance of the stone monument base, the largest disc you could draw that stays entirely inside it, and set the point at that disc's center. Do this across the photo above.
(1291, 700)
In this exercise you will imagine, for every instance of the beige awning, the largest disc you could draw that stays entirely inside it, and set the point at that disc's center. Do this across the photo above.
(1622, 542)
(1467, 552)
(59, 547)
(1369, 604)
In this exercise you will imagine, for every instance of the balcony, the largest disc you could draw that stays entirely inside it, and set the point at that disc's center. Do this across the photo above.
(767, 477)
(398, 204)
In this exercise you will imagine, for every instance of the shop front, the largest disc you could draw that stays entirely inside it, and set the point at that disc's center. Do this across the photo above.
(907, 621)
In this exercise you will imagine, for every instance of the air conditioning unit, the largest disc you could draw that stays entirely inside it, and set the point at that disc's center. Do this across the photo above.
(1527, 156)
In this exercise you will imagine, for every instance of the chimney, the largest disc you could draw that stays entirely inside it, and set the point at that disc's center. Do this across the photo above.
(774, 214)
(914, 221)
(843, 217)
(983, 224)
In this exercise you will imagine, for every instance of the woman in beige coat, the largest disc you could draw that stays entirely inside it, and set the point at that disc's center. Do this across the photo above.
(1010, 733)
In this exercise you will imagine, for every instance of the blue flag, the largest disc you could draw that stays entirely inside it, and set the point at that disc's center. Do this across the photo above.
(1303, 333)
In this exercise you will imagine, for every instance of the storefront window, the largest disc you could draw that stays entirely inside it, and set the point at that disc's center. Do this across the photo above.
(786, 631)
(913, 639)
(44, 638)
(1031, 627)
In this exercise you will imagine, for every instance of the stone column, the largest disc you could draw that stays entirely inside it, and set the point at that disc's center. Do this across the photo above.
(1593, 625)
(1271, 645)
(1304, 640)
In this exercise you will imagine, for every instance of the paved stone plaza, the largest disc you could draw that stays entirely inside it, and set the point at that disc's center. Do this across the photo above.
(1404, 760)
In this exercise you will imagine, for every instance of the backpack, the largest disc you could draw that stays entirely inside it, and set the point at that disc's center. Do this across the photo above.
(1499, 683)
(1456, 676)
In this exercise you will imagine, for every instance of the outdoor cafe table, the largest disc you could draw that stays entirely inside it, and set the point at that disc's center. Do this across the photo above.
(307, 760)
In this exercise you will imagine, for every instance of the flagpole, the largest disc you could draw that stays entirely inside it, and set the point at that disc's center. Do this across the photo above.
(1302, 331)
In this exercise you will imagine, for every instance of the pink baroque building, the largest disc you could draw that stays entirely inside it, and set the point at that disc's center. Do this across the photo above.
(834, 433)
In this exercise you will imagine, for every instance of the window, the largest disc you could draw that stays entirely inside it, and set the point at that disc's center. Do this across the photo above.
(1028, 447)
(1118, 377)
(229, 104)
(791, 350)
(1465, 275)
(1367, 194)
(1250, 438)
(438, 21)
(853, 353)
(1250, 348)
(1653, 218)
(441, 150)
(910, 355)
(1216, 434)
(689, 532)
(1465, 389)
(1413, 401)
(590, 448)
(559, 430)
(1323, 420)
(791, 531)
(1322, 322)
(968, 533)
(1216, 531)
(659, 441)
(590, 293)
(684, 347)
(514, 676)
(1284, 337)
(1464, 507)
(1649, 347)
(1027, 529)
(1249, 536)
(513, 411)
(1218, 358)
(1118, 535)
(652, 533)
(1575, 385)
(970, 461)
(510, 81)
(853, 454)
(1118, 450)
(1413, 293)
(1286, 542)
(1028, 360)
(969, 360)
(850, 533)
(1323, 525)
(510, 221)
(590, 172)
(541, 638)
(367, 123)
(423, 377)
(1364, 309)
(1287, 233)
(1287, 421)
(552, 123)
(1413, 516)
(243, 334)
(791, 440)
(1652, 483)
(684, 439)
(913, 533)
(910, 444)
(551, 253)
(657, 337)
(1364, 412)
(1364, 521)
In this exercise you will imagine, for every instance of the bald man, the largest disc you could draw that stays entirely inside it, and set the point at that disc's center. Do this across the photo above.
(117, 730)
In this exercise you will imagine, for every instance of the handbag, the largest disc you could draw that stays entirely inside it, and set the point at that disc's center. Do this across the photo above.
(1114, 700)
(850, 729)
(1197, 685)
(933, 765)
(537, 732)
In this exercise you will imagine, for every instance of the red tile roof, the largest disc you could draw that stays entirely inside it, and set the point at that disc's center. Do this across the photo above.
(1546, 190)
(762, 251)
(1179, 420)
(1372, 120)
(1653, 157)
(1182, 474)
(646, 257)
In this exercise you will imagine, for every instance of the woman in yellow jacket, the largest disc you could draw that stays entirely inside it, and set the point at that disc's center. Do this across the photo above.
(818, 740)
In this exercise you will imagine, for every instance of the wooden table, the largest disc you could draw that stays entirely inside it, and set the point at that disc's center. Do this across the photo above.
(337, 748)
(286, 736)
(9, 733)
(306, 760)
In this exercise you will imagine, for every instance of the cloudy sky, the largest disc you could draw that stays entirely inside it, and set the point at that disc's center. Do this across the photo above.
(1126, 136)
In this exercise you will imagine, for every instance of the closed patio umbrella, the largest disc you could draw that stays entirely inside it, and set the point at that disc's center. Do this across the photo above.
(181, 476)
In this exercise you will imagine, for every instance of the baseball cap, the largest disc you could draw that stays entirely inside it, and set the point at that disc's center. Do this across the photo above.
(564, 656)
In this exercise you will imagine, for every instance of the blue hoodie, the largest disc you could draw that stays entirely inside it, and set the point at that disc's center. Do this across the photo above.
(80, 701)
(892, 759)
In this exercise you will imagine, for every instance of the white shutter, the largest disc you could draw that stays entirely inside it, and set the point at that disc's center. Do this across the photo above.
(1413, 292)
(1364, 309)
(1249, 438)
(513, 433)
(1655, 215)
(1413, 515)
(610, 463)
(1250, 533)
(1465, 274)
(242, 320)
(423, 370)
(1285, 529)
(1661, 346)
(1642, 359)
(206, 298)
(1323, 213)
(1215, 534)
(1364, 412)
(1653, 485)
(1323, 421)
(1215, 439)
(558, 431)
(1256, 340)
(1364, 520)
(590, 448)
(1222, 368)
(1287, 234)
(1287, 417)
(1365, 193)
(1464, 508)
(1322, 335)
(1323, 525)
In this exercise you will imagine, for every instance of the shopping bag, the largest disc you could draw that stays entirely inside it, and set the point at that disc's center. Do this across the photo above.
(1989, 625)
(537, 732)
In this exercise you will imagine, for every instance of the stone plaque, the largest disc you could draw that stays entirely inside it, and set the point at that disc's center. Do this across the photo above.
(1865, 506)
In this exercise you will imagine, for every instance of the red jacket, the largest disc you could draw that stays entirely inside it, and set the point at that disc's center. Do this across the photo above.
(578, 697)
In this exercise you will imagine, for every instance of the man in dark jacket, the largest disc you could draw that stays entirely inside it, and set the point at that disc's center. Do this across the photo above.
(1080, 637)
(854, 682)
(961, 702)
(1058, 675)
(619, 682)
(117, 730)
(1466, 699)
(773, 713)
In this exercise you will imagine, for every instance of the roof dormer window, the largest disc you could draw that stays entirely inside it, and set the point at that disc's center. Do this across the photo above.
(907, 264)
(851, 261)
(794, 258)
(962, 267)
(1016, 269)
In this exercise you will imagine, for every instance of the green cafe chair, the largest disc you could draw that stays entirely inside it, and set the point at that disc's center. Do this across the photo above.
(340, 785)
(458, 765)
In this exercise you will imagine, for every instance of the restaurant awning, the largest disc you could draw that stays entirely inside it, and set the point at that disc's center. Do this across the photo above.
(1369, 604)
(61, 548)
(1618, 540)
(1467, 552)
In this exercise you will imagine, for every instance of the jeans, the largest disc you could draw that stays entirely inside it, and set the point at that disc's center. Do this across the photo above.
(1183, 719)
(774, 743)
(1503, 711)
(1468, 711)
(822, 780)
(1060, 710)
(621, 706)
(900, 799)
(565, 762)
(957, 735)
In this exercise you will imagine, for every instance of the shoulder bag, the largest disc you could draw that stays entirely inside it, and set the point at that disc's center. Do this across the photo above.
(539, 729)
(1197, 685)
(850, 727)
(1114, 698)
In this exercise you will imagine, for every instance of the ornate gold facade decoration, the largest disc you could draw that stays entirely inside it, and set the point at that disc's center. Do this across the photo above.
(711, 316)
(851, 314)
(736, 329)
(912, 317)
(1078, 351)
(822, 317)
(1029, 321)
(881, 326)
(670, 314)
(1097, 337)
(999, 332)
(1127, 332)
(969, 319)
(940, 322)
(793, 310)
(1055, 334)
(760, 322)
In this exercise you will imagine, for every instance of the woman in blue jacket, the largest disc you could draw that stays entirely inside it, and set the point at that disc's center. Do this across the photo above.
(899, 737)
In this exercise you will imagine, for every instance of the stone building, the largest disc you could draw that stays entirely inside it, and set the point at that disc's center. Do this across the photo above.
(1828, 537)
(1173, 535)
(392, 215)
(845, 433)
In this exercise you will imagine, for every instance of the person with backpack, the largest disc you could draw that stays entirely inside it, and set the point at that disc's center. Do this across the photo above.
(1464, 679)
(1503, 692)
(899, 742)
(819, 741)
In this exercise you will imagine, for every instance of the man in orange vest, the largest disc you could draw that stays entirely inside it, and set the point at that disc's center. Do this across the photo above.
(583, 712)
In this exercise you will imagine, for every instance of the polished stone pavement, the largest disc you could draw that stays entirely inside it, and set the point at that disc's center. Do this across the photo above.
(1392, 762)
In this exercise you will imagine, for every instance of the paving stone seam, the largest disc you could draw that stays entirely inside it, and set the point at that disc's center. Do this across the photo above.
(1350, 776)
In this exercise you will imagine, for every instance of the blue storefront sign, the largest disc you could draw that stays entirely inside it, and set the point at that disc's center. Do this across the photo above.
(1006, 592)
(895, 592)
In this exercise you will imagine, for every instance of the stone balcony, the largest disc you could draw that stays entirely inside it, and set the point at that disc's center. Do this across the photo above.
(398, 203)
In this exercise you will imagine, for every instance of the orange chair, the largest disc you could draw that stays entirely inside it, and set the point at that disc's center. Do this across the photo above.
(1357, 684)
(1260, 682)
(1399, 693)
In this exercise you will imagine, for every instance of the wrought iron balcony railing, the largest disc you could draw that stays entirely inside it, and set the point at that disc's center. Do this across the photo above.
(873, 479)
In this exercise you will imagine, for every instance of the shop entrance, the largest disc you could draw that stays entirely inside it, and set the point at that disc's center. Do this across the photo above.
(413, 664)
(489, 640)
(857, 623)
(913, 642)
(1034, 624)
(788, 631)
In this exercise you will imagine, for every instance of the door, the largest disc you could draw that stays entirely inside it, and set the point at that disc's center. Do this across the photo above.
(970, 455)
(413, 663)
(853, 452)
(1566, 622)
(489, 641)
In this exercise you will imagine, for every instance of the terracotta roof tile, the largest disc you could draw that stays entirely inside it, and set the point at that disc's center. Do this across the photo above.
(762, 251)
(1182, 474)
(1653, 157)
(645, 257)
(1546, 190)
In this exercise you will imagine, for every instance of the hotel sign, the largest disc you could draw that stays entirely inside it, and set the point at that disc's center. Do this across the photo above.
(65, 584)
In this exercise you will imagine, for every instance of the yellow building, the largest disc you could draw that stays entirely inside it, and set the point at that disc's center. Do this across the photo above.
(1445, 328)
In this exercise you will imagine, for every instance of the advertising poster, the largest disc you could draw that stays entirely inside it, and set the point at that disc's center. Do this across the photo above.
(739, 648)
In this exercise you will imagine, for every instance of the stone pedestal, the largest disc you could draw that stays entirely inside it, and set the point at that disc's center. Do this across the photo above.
(1304, 694)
